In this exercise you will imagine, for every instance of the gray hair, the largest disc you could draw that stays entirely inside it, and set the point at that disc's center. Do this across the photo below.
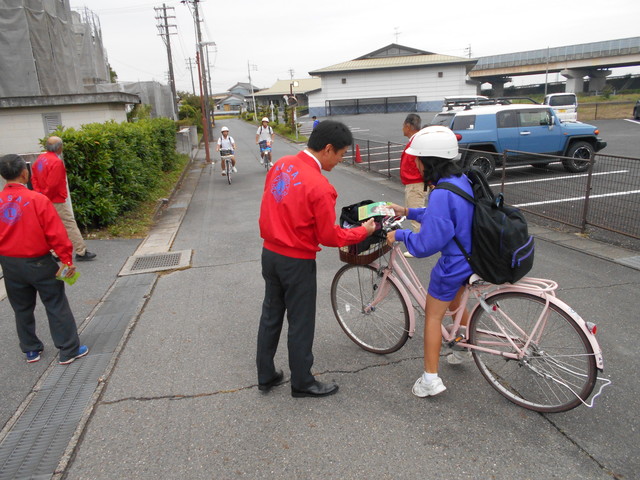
(414, 121)
(54, 144)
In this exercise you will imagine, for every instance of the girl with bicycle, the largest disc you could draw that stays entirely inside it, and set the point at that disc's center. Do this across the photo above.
(447, 215)
(226, 144)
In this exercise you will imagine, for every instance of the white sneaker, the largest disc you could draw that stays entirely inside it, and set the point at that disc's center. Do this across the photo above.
(270, 164)
(224, 174)
(422, 389)
(408, 255)
(234, 169)
(261, 161)
(459, 357)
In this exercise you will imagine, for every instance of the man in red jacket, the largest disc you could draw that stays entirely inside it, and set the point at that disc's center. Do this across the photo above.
(49, 177)
(29, 229)
(411, 178)
(297, 214)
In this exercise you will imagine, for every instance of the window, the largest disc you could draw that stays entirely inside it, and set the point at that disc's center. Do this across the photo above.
(534, 118)
(344, 80)
(464, 122)
(506, 119)
(51, 122)
(440, 74)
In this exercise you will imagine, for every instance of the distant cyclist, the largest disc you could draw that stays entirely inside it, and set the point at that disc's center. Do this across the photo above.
(264, 138)
(227, 144)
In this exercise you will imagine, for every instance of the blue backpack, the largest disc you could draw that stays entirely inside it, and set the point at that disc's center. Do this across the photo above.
(501, 247)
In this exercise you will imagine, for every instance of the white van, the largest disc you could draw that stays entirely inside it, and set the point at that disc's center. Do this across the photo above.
(564, 104)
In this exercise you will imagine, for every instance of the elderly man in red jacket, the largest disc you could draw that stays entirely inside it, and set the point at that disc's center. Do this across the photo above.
(49, 177)
(29, 229)
(297, 214)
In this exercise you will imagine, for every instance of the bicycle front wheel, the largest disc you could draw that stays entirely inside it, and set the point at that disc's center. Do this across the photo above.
(558, 370)
(370, 310)
(228, 168)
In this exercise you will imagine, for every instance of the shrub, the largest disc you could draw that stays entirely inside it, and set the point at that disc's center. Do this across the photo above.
(112, 167)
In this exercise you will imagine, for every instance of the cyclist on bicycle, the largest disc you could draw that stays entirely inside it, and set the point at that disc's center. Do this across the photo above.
(227, 144)
(447, 215)
(264, 138)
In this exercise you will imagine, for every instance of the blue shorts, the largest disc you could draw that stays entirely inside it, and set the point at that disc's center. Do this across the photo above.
(449, 274)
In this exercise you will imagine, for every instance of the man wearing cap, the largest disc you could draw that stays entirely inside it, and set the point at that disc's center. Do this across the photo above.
(264, 136)
(29, 229)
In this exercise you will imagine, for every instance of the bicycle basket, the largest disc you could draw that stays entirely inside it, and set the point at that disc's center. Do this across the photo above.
(226, 153)
(354, 255)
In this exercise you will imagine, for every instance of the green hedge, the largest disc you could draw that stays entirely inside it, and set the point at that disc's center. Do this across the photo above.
(112, 167)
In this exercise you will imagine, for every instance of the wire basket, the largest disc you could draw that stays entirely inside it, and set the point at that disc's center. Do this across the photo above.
(350, 253)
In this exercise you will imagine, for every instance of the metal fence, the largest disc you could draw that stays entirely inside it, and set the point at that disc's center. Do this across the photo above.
(605, 196)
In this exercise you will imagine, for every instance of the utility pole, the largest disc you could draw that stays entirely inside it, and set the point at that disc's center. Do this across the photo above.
(204, 98)
(468, 51)
(163, 28)
(190, 67)
(255, 110)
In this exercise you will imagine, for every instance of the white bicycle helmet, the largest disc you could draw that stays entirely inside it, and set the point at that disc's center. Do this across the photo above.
(224, 129)
(265, 119)
(434, 141)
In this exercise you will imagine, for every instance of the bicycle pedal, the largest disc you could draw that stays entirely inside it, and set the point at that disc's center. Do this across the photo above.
(454, 343)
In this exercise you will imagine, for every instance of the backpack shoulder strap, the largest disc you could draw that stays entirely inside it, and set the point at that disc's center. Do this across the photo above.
(455, 189)
(458, 191)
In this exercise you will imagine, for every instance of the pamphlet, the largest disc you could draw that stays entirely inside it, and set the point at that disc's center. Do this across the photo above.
(374, 210)
(69, 280)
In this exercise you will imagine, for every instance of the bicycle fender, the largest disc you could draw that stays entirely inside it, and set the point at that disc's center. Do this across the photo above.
(562, 306)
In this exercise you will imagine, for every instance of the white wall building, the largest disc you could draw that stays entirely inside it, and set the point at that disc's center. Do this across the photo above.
(26, 120)
(394, 78)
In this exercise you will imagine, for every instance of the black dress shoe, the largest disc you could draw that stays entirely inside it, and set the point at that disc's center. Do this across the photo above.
(317, 389)
(265, 387)
(87, 256)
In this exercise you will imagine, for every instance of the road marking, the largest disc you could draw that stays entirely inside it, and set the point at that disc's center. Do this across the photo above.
(575, 199)
(637, 122)
(564, 177)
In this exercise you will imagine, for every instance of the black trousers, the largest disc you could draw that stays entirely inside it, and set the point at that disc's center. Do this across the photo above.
(23, 279)
(290, 285)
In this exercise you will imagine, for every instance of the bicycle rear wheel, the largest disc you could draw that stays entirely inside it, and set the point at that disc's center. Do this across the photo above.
(383, 328)
(559, 367)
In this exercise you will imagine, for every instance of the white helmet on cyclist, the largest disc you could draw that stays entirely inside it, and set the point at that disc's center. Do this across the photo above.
(434, 141)
(224, 129)
(265, 119)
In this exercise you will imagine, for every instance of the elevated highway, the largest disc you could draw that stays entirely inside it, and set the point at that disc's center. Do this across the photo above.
(575, 62)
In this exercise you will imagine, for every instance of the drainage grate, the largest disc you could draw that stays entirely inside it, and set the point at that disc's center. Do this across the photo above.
(630, 261)
(156, 262)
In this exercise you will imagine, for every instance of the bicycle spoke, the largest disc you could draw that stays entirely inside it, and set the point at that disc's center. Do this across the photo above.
(555, 366)
(377, 322)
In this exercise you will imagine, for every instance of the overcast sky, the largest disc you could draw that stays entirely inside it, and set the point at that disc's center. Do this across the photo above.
(276, 36)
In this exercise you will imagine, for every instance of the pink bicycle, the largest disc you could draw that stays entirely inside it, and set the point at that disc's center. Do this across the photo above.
(530, 346)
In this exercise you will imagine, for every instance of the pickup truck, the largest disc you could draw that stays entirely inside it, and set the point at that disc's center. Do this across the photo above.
(490, 130)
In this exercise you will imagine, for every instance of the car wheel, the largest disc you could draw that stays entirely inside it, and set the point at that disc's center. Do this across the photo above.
(636, 113)
(580, 153)
(483, 161)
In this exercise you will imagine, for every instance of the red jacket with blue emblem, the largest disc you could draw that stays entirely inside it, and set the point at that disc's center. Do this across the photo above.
(49, 177)
(297, 213)
(30, 225)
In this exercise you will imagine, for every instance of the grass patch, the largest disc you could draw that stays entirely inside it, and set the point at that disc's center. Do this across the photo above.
(137, 222)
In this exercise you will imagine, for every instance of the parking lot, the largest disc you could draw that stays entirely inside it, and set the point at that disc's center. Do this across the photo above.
(551, 193)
